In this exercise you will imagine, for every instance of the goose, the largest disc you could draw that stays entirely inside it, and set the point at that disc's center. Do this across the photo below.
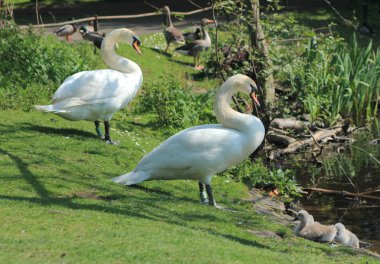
(190, 36)
(171, 33)
(345, 236)
(95, 37)
(66, 31)
(314, 231)
(197, 153)
(195, 47)
(98, 94)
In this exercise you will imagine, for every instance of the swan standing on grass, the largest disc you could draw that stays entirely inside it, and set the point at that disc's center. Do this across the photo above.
(314, 231)
(97, 95)
(197, 153)
(345, 236)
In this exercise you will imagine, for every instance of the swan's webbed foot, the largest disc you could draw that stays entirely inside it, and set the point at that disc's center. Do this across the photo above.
(112, 142)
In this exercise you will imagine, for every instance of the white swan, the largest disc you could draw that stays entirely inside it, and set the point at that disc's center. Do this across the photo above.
(197, 153)
(313, 230)
(97, 95)
(345, 236)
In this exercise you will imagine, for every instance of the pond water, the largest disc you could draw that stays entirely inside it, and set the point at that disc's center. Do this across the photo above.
(348, 167)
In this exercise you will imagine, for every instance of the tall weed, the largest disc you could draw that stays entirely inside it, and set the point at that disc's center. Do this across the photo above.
(335, 80)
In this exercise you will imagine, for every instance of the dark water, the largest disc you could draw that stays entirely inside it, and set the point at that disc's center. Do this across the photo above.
(352, 169)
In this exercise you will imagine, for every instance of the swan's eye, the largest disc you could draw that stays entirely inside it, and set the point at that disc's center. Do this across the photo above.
(253, 88)
(136, 40)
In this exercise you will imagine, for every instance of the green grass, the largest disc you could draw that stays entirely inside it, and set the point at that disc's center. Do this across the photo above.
(58, 204)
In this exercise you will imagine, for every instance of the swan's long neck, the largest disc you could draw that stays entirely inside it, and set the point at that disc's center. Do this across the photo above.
(113, 60)
(230, 118)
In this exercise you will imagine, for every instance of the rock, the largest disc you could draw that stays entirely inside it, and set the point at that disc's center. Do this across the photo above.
(271, 207)
(264, 233)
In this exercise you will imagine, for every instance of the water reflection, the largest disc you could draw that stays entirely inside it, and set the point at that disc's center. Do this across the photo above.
(354, 168)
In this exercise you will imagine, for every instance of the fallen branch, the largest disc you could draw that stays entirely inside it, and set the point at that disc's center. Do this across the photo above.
(293, 147)
(279, 140)
(344, 193)
(287, 123)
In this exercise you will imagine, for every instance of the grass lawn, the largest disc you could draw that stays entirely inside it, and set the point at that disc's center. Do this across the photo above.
(58, 204)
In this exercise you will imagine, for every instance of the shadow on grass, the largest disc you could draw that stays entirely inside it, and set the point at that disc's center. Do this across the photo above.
(160, 52)
(59, 131)
(27, 174)
(138, 207)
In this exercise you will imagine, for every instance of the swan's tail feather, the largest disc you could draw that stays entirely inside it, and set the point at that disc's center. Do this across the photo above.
(45, 108)
(132, 178)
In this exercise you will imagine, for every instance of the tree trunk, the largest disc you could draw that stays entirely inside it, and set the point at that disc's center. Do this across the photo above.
(259, 42)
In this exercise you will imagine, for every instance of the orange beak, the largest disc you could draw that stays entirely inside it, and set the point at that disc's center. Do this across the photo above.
(254, 98)
(136, 47)
(209, 21)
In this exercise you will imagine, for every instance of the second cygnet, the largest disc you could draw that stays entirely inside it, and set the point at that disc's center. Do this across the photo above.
(345, 236)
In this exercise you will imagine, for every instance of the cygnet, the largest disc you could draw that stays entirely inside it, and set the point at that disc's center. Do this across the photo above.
(313, 230)
(345, 236)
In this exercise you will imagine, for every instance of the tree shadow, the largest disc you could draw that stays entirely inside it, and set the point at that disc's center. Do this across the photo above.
(27, 174)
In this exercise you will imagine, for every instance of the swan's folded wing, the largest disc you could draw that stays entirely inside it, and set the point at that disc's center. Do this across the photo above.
(200, 145)
(94, 85)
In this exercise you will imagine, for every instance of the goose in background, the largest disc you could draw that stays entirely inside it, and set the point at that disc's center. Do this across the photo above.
(98, 94)
(95, 37)
(197, 153)
(191, 36)
(171, 33)
(346, 237)
(312, 230)
(195, 47)
(66, 31)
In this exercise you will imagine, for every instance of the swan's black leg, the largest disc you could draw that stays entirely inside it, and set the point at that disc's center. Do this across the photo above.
(107, 137)
(98, 130)
(211, 200)
(202, 193)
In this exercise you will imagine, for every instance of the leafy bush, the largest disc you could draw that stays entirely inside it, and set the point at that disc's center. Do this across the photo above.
(176, 107)
(256, 175)
(30, 60)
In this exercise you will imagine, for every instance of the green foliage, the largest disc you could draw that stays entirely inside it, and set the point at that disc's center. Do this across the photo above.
(175, 107)
(256, 175)
(33, 66)
(334, 80)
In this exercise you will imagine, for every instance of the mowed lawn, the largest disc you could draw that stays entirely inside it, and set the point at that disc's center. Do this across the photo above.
(58, 204)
